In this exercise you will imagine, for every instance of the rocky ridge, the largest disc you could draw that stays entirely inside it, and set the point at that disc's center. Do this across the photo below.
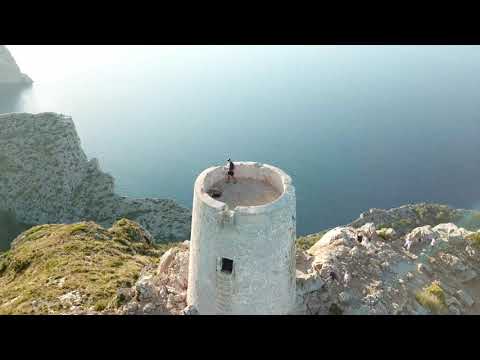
(45, 177)
(358, 270)
(406, 217)
(9, 71)
(378, 275)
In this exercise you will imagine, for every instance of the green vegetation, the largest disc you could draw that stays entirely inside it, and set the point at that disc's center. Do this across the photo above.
(402, 223)
(433, 214)
(49, 261)
(425, 214)
(399, 225)
(306, 242)
(334, 309)
(474, 239)
(421, 211)
(383, 234)
(432, 297)
(82, 227)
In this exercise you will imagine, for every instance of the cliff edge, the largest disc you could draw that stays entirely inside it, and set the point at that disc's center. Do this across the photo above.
(45, 177)
(9, 71)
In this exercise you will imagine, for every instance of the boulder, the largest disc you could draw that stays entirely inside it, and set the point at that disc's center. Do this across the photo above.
(420, 234)
(72, 298)
(307, 283)
(454, 310)
(303, 261)
(450, 232)
(144, 289)
(190, 310)
(452, 301)
(470, 251)
(166, 260)
(368, 230)
(347, 234)
(465, 298)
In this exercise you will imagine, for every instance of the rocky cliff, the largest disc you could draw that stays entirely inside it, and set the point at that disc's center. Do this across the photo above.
(83, 268)
(437, 274)
(9, 71)
(45, 177)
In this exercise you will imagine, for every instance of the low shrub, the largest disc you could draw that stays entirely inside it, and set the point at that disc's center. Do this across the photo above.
(432, 297)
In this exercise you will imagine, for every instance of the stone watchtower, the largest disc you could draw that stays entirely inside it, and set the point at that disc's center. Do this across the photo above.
(242, 246)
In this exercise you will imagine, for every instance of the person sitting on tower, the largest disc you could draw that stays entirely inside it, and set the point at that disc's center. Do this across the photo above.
(231, 171)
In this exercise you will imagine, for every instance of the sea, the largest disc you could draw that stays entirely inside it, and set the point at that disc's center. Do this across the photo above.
(356, 127)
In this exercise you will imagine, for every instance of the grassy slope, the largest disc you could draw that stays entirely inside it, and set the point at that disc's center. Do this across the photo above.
(49, 261)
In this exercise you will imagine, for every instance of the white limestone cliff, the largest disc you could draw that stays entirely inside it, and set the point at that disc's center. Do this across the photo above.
(9, 71)
(45, 177)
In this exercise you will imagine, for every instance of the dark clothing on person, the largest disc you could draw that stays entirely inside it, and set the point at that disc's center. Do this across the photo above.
(231, 168)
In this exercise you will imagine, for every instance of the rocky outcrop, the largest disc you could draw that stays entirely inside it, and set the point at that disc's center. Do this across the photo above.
(9, 71)
(343, 275)
(45, 177)
(439, 273)
(162, 289)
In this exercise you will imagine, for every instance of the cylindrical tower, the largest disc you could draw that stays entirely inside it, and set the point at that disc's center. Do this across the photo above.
(242, 246)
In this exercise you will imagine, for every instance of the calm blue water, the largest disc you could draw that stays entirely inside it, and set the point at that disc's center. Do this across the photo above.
(355, 126)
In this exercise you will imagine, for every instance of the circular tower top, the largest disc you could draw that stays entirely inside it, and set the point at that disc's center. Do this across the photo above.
(256, 187)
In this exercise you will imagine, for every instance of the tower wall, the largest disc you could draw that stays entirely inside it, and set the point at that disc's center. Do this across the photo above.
(259, 239)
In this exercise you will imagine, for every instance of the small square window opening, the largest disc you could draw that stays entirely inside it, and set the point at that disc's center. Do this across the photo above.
(227, 265)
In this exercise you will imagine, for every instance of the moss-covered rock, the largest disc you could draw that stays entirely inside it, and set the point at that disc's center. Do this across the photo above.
(75, 268)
